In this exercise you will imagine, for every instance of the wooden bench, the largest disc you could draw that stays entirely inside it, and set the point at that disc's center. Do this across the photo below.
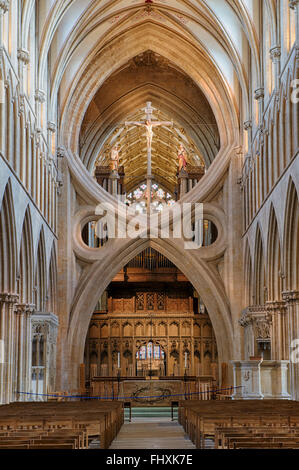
(68, 423)
(202, 420)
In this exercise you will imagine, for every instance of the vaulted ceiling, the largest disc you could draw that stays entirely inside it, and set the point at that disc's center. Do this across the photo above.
(174, 96)
(193, 59)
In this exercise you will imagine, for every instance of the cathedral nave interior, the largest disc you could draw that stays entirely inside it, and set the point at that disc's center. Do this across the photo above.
(116, 114)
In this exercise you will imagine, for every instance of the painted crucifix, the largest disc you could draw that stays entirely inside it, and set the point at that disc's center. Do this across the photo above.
(149, 124)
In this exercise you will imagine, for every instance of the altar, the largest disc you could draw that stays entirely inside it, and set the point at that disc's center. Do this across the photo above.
(149, 391)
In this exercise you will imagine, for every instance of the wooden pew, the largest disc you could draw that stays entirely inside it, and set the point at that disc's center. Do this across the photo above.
(202, 419)
(63, 423)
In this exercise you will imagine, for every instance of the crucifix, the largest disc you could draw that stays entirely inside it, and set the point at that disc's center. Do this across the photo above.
(149, 124)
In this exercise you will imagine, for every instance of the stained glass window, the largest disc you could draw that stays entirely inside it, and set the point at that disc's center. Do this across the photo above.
(160, 198)
(150, 351)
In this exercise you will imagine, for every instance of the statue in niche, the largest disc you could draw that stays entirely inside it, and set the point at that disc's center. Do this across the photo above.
(182, 156)
(114, 157)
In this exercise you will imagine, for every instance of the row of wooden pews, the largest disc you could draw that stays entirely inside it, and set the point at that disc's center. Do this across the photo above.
(241, 424)
(60, 425)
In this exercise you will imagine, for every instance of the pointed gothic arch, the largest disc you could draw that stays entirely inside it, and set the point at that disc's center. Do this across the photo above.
(26, 261)
(8, 243)
(291, 238)
(51, 296)
(105, 270)
(248, 275)
(274, 268)
(259, 269)
(40, 279)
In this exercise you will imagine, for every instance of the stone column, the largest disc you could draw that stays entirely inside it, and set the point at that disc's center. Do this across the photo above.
(23, 350)
(20, 359)
(275, 54)
(4, 7)
(28, 347)
(247, 380)
(23, 59)
(291, 299)
(40, 98)
(183, 175)
(7, 337)
(114, 177)
(248, 129)
(259, 97)
(277, 312)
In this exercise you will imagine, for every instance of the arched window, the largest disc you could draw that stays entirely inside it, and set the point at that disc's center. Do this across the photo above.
(160, 198)
(150, 351)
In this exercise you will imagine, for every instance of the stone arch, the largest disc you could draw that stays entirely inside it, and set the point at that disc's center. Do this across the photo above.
(52, 282)
(274, 259)
(291, 239)
(25, 283)
(259, 269)
(8, 244)
(248, 277)
(40, 281)
(104, 271)
(131, 43)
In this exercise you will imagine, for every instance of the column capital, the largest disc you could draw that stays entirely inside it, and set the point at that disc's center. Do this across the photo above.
(260, 319)
(259, 93)
(23, 56)
(291, 296)
(60, 151)
(51, 126)
(27, 309)
(245, 320)
(276, 306)
(238, 150)
(9, 298)
(248, 125)
(4, 6)
(293, 4)
(40, 96)
(275, 53)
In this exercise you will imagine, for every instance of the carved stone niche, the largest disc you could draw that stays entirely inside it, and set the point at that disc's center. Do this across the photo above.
(44, 328)
(256, 322)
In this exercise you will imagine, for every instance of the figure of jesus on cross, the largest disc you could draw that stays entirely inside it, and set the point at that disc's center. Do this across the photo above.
(149, 124)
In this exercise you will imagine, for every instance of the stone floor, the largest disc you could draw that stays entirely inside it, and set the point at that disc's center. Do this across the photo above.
(152, 433)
